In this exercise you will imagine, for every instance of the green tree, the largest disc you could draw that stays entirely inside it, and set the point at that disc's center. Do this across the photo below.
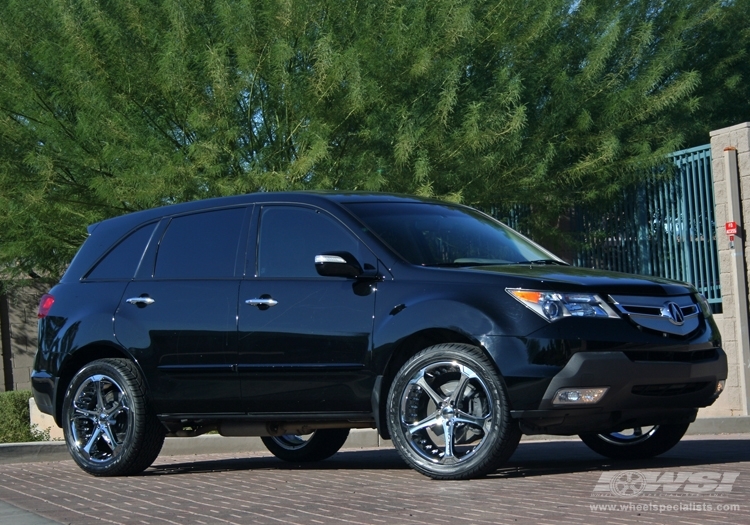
(112, 106)
(720, 51)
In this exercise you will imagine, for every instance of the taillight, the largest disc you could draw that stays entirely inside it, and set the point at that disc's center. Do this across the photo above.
(44, 305)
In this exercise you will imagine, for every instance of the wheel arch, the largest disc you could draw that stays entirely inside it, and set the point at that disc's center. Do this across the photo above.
(402, 352)
(79, 359)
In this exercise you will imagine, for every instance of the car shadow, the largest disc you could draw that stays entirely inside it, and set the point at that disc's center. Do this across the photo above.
(530, 459)
(541, 459)
(371, 459)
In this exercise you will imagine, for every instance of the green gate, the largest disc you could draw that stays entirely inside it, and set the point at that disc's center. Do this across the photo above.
(664, 227)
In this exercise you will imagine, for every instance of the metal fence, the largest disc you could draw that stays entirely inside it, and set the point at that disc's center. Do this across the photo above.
(663, 227)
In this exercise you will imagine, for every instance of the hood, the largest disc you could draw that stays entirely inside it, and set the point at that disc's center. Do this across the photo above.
(570, 278)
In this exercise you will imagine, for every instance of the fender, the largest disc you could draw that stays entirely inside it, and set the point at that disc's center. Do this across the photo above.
(94, 305)
(475, 311)
(426, 314)
(65, 341)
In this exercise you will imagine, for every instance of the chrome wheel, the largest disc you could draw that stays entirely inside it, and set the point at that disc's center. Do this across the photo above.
(449, 416)
(316, 446)
(637, 442)
(100, 420)
(446, 412)
(292, 441)
(110, 428)
(629, 436)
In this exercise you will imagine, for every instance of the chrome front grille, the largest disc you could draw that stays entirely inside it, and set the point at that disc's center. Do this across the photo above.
(678, 315)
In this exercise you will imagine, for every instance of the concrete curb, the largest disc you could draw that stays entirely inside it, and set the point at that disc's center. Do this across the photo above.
(358, 438)
(207, 444)
(720, 425)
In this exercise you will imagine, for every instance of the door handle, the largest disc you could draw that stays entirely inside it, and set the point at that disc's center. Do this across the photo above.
(140, 301)
(263, 302)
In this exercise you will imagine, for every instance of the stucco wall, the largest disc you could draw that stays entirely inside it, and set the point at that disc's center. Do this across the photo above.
(22, 303)
(730, 401)
(734, 142)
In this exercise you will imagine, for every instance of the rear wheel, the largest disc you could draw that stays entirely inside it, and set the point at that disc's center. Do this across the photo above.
(317, 446)
(448, 413)
(109, 427)
(636, 443)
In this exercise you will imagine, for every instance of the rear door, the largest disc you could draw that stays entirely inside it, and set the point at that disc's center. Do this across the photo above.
(179, 316)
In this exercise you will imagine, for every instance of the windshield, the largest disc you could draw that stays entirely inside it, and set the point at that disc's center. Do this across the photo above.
(444, 235)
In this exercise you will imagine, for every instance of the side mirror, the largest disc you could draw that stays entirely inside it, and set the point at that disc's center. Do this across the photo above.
(337, 264)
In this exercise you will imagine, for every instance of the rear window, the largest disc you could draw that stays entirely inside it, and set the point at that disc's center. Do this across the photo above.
(200, 246)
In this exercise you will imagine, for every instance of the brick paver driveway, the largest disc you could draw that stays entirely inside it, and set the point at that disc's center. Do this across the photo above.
(705, 479)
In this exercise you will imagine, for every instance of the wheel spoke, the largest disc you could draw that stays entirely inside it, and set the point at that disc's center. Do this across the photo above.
(479, 422)
(92, 440)
(99, 396)
(117, 408)
(81, 413)
(436, 398)
(109, 437)
(455, 396)
(448, 434)
(428, 422)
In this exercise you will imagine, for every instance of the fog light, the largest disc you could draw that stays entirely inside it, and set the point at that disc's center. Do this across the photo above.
(579, 396)
(720, 387)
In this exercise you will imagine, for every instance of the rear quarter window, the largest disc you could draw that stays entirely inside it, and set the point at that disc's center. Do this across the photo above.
(122, 261)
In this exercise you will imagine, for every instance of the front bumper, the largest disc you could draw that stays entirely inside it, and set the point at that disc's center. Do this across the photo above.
(640, 393)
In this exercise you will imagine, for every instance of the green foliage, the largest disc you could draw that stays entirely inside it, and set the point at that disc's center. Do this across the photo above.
(112, 106)
(15, 426)
(720, 53)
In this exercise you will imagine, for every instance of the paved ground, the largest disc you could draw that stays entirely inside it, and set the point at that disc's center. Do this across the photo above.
(704, 480)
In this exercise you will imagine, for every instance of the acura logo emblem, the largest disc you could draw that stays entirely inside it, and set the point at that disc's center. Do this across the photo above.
(673, 312)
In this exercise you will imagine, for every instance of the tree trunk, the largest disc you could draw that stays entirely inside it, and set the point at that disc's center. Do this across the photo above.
(5, 340)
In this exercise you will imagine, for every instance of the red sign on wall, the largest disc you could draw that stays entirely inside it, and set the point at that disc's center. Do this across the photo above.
(731, 228)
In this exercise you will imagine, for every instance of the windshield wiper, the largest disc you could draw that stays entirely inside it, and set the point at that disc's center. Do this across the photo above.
(462, 264)
(468, 263)
(544, 261)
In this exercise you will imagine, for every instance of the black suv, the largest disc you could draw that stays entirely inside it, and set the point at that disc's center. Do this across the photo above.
(299, 316)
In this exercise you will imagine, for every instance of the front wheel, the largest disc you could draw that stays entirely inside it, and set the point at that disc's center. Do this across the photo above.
(109, 427)
(448, 413)
(317, 446)
(636, 443)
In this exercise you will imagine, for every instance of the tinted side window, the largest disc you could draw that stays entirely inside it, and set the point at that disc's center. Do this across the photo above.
(291, 237)
(122, 261)
(200, 246)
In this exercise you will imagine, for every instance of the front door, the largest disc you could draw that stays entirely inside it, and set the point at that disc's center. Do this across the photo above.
(304, 340)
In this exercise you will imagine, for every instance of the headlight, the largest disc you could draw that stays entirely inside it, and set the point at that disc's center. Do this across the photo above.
(555, 305)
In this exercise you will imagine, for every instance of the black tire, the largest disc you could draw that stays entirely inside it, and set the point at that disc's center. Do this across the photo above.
(319, 445)
(451, 388)
(637, 443)
(110, 428)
